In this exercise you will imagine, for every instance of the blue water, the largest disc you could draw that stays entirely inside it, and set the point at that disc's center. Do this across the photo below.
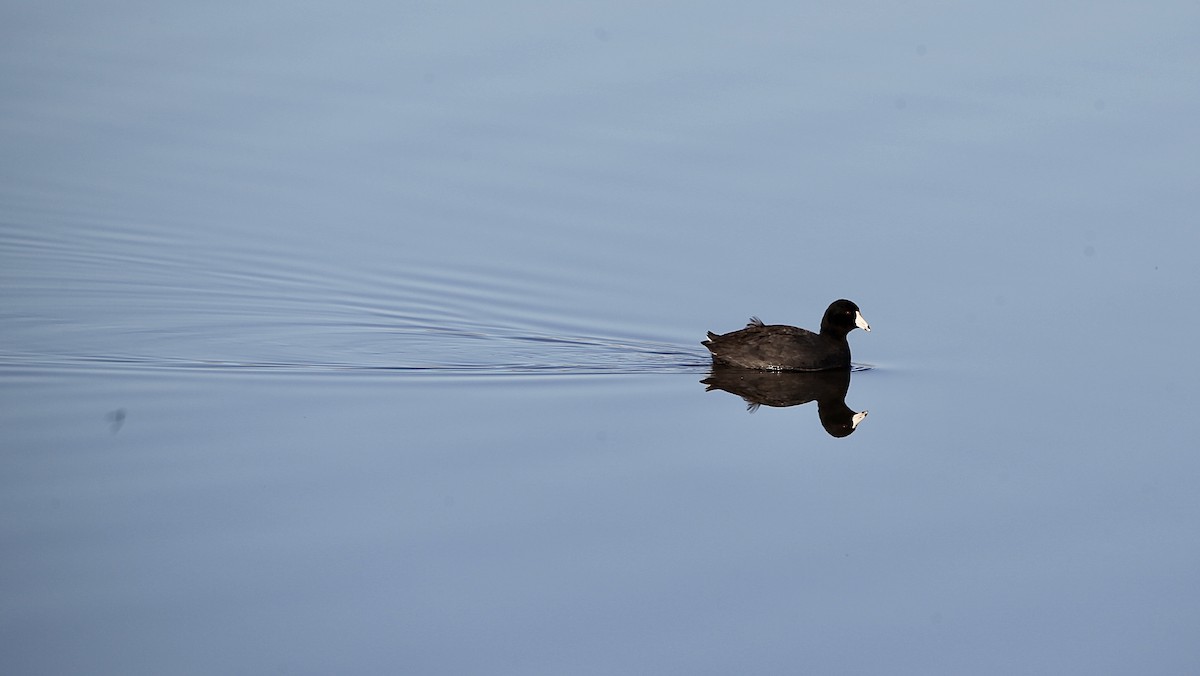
(365, 339)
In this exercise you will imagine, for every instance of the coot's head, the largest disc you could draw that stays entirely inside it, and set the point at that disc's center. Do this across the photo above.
(842, 317)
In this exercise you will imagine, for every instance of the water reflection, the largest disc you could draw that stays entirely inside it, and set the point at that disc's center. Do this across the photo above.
(791, 388)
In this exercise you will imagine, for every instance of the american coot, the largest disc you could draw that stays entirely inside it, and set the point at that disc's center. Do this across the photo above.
(788, 348)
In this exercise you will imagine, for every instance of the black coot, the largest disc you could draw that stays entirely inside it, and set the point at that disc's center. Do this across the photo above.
(788, 348)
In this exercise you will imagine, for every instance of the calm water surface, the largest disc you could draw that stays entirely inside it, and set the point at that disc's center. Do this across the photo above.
(366, 340)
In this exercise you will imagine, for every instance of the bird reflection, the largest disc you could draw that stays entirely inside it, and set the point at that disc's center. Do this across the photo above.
(791, 388)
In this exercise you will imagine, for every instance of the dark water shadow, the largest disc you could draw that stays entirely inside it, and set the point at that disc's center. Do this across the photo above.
(783, 389)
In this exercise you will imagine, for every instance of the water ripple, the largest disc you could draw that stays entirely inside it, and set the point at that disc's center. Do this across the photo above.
(122, 296)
